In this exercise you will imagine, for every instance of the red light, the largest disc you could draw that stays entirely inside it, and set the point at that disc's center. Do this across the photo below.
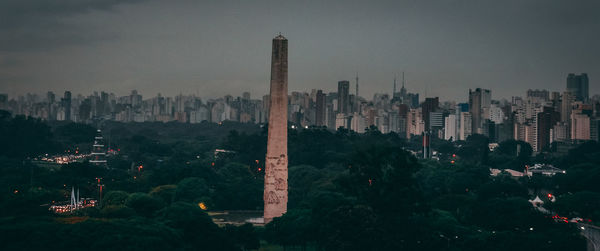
(453, 155)
(259, 169)
(549, 195)
(212, 164)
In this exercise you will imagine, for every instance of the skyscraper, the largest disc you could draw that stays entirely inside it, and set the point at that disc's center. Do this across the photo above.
(566, 107)
(580, 126)
(67, 105)
(403, 90)
(320, 109)
(545, 122)
(429, 105)
(479, 105)
(578, 86)
(450, 123)
(344, 96)
(276, 164)
(465, 129)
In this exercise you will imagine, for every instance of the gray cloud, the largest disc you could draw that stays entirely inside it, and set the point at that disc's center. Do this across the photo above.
(222, 47)
(40, 24)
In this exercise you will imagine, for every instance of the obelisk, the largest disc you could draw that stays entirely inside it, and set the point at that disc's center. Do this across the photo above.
(276, 164)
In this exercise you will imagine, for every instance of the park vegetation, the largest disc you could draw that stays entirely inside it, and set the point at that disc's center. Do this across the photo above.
(347, 191)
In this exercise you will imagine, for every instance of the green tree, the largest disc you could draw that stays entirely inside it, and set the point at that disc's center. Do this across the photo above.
(196, 227)
(115, 198)
(143, 204)
(165, 193)
(191, 190)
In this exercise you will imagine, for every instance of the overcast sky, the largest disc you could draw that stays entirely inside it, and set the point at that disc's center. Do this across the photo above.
(214, 48)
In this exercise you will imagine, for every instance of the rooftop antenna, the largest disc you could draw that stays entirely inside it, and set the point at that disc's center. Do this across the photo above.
(356, 84)
(394, 92)
(402, 79)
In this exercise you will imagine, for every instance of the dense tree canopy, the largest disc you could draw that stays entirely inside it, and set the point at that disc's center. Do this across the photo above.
(347, 191)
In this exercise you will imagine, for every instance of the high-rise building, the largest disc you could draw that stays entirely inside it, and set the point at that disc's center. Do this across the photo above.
(496, 114)
(416, 125)
(403, 90)
(595, 129)
(465, 130)
(330, 116)
(580, 126)
(566, 106)
(343, 120)
(67, 105)
(560, 132)
(344, 97)
(320, 111)
(403, 120)
(246, 96)
(479, 105)
(276, 164)
(436, 121)
(412, 99)
(450, 123)
(541, 95)
(429, 105)
(358, 123)
(578, 86)
(579, 122)
(545, 123)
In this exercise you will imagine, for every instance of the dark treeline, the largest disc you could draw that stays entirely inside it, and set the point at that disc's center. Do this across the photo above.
(347, 191)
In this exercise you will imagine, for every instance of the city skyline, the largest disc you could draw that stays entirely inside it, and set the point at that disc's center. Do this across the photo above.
(126, 45)
(333, 88)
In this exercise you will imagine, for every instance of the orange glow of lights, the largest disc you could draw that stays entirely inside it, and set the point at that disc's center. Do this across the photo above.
(202, 206)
